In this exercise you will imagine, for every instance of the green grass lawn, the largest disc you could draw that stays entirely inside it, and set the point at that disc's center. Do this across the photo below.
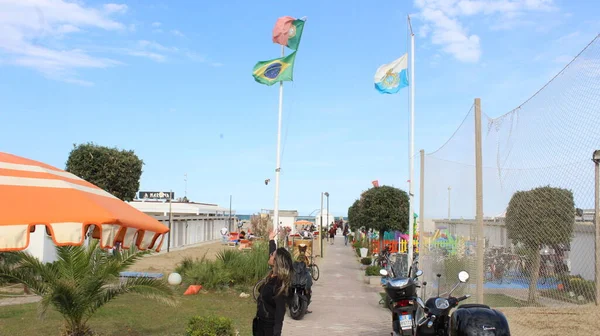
(131, 315)
(501, 300)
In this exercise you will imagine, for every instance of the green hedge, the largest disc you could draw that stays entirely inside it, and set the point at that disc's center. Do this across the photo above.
(210, 326)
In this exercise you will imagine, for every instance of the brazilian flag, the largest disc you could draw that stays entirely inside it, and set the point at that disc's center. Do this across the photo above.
(275, 70)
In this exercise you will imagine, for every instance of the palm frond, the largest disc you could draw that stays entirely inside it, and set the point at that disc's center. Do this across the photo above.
(24, 276)
(150, 288)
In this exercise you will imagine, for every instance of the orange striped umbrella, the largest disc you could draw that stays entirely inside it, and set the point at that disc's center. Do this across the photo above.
(34, 193)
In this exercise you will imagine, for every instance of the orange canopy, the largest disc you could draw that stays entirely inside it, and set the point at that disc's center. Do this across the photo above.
(303, 222)
(34, 193)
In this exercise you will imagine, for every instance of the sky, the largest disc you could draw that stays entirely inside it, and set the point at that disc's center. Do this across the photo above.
(172, 81)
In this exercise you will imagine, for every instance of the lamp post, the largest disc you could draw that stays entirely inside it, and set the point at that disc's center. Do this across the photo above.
(596, 159)
(327, 195)
(321, 225)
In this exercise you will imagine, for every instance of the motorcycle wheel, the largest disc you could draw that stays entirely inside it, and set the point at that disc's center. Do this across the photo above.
(297, 307)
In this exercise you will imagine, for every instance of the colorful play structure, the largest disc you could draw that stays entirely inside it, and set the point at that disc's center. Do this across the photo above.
(441, 239)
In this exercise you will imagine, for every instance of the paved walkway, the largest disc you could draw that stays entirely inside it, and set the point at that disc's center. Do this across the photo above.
(342, 303)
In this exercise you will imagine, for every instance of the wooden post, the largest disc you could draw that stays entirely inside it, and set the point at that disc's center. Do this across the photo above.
(422, 200)
(479, 202)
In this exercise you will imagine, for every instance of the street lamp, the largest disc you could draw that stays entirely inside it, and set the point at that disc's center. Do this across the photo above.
(327, 195)
(596, 159)
(321, 225)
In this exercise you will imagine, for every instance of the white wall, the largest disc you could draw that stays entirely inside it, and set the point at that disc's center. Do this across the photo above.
(287, 221)
(327, 218)
(582, 255)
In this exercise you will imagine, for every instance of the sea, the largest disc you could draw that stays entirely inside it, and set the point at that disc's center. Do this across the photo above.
(309, 218)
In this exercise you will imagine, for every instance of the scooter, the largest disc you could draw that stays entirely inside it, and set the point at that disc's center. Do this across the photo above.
(410, 316)
(467, 320)
(299, 298)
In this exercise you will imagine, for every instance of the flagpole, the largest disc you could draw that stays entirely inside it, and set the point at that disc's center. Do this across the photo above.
(278, 157)
(411, 219)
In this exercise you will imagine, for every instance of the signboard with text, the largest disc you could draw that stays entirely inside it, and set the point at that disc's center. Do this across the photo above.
(156, 195)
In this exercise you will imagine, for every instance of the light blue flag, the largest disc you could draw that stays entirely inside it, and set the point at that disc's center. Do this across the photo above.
(392, 77)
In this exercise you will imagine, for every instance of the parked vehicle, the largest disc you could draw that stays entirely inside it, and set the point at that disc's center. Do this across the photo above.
(299, 296)
(402, 299)
(413, 317)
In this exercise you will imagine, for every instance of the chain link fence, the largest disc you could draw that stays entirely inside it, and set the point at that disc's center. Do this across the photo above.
(538, 203)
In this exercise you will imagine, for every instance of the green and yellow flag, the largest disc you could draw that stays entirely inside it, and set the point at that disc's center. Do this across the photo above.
(275, 70)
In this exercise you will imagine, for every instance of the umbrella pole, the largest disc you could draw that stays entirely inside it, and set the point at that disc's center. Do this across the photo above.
(170, 221)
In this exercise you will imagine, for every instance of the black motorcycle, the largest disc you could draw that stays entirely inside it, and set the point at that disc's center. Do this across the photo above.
(299, 295)
(467, 320)
(410, 316)
(402, 299)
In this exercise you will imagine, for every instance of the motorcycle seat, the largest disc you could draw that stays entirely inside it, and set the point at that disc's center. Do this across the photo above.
(473, 305)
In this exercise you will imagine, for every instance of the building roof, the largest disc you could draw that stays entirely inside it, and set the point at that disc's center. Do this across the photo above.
(179, 208)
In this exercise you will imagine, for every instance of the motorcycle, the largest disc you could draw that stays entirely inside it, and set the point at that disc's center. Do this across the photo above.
(402, 299)
(433, 317)
(299, 295)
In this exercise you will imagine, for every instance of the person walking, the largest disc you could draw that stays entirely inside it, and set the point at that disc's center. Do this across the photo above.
(332, 234)
(271, 302)
(346, 235)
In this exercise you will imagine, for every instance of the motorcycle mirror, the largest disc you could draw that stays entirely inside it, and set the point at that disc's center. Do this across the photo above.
(418, 273)
(383, 272)
(463, 276)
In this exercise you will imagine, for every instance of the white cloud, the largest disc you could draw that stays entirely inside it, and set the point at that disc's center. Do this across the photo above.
(442, 21)
(115, 8)
(148, 54)
(156, 24)
(177, 33)
(155, 45)
(26, 24)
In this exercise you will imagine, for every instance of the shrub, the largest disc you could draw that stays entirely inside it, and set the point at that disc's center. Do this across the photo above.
(184, 265)
(210, 326)
(585, 288)
(372, 270)
(231, 268)
(366, 261)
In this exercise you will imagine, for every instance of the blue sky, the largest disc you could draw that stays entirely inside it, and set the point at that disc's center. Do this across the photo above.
(172, 81)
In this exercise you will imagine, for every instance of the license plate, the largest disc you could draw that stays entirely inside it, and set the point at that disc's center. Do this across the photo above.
(405, 322)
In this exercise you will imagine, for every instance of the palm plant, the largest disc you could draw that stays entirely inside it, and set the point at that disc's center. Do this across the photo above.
(82, 280)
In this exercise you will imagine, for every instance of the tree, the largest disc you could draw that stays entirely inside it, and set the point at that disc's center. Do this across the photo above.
(82, 280)
(261, 225)
(116, 171)
(383, 209)
(537, 217)
(354, 215)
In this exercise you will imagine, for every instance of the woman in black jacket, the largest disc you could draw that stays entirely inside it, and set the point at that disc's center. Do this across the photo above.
(274, 293)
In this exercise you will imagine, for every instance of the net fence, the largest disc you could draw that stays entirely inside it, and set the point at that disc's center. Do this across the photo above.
(538, 199)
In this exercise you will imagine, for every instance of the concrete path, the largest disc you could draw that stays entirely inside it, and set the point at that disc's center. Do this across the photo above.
(342, 303)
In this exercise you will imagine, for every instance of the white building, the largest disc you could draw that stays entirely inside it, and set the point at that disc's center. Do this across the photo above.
(327, 219)
(287, 218)
(192, 223)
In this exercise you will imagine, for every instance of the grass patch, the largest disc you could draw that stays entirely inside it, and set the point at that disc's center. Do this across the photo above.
(564, 296)
(134, 316)
(501, 300)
